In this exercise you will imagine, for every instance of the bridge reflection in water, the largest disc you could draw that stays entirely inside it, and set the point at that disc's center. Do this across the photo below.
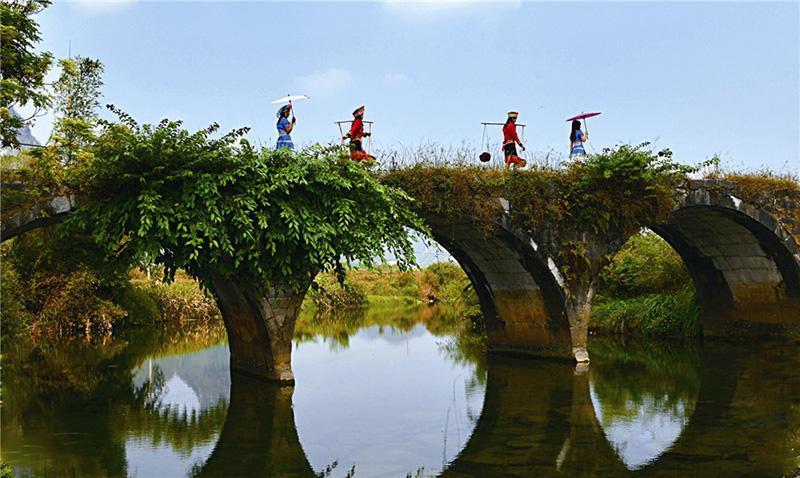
(639, 409)
(702, 414)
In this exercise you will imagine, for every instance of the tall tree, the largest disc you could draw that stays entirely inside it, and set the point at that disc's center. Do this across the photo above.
(77, 90)
(76, 98)
(23, 69)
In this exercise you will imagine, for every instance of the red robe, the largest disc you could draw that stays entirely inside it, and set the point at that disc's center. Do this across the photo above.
(510, 133)
(356, 130)
(356, 133)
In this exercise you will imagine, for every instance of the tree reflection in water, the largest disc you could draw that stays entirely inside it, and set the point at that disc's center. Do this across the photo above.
(643, 394)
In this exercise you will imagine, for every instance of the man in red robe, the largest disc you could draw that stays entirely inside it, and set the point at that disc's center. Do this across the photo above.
(355, 134)
(510, 142)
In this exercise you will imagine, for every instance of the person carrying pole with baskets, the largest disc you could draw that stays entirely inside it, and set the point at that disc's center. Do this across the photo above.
(355, 136)
(510, 142)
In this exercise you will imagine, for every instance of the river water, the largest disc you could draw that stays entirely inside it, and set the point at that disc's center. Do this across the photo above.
(398, 394)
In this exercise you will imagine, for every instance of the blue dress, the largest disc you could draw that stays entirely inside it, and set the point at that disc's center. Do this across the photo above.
(284, 140)
(577, 145)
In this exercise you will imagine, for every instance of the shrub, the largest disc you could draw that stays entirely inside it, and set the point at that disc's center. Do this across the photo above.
(56, 283)
(14, 317)
(328, 293)
(217, 206)
(139, 303)
(72, 302)
(182, 301)
(646, 264)
(446, 282)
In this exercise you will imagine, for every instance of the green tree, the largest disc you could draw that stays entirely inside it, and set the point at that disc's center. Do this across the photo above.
(77, 90)
(76, 98)
(219, 206)
(23, 70)
(58, 283)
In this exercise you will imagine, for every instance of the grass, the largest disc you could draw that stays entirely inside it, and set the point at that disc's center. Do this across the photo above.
(646, 290)
(670, 314)
(387, 286)
(387, 301)
(147, 300)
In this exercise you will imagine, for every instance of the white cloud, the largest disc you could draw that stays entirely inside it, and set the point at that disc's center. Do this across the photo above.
(99, 6)
(426, 9)
(325, 82)
(395, 77)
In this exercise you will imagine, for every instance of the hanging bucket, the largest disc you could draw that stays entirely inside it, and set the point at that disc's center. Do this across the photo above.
(485, 157)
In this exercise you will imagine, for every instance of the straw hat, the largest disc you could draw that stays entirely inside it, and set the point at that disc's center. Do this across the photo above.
(359, 111)
(513, 114)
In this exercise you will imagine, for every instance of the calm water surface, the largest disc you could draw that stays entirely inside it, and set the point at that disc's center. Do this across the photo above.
(395, 394)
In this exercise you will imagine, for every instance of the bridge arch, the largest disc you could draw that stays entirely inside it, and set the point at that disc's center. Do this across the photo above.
(21, 219)
(521, 300)
(744, 263)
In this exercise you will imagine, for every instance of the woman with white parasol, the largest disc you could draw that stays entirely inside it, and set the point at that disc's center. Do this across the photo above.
(285, 126)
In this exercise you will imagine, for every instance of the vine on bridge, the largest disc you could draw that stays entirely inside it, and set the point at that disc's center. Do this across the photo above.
(603, 199)
(220, 205)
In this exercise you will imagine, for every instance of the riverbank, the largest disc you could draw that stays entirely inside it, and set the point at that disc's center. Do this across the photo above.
(386, 285)
(646, 290)
(57, 287)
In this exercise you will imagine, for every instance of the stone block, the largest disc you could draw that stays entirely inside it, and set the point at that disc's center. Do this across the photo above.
(763, 276)
(711, 251)
(721, 240)
(734, 277)
(752, 250)
(720, 263)
(757, 262)
(730, 250)
(735, 262)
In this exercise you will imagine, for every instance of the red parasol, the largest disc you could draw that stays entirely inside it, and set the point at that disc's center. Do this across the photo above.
(583, 116)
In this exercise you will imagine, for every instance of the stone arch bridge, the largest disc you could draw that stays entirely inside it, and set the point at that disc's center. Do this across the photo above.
(743, 256)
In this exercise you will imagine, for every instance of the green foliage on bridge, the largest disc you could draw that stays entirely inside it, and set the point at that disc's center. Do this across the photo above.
(619, 189)
(608, 196)
(220, 206)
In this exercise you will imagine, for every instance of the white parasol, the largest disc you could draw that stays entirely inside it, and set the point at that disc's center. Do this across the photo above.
(290, 98)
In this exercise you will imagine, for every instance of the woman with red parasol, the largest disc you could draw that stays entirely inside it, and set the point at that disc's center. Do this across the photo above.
(578, 137)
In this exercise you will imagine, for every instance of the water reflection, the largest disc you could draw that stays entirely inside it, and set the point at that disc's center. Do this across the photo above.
(393, 399)
(77, 409)
(391, 404)
(259, 437)
(643, 394)
(746, 419)
(715, 411)
(188, 392)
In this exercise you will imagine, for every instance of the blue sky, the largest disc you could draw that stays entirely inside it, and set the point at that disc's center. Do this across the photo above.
(700, 78)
